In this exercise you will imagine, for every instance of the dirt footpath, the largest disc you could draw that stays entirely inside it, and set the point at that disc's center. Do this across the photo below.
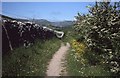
(56, 65)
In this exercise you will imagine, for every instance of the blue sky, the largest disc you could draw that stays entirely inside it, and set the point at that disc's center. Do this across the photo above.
(52, 11)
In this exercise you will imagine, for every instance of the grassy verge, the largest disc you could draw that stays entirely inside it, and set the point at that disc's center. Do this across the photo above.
(69, 34)
(30, 61)
(75, 68)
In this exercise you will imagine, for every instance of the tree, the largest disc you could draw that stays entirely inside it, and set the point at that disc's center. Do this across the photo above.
(101, 31)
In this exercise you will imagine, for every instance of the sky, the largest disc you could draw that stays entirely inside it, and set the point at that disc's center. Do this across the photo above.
(52, 11)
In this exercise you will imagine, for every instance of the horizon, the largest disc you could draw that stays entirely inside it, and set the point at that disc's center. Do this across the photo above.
(51, 11)
(36, 19)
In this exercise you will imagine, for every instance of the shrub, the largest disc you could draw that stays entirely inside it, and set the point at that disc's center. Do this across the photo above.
(100, 29)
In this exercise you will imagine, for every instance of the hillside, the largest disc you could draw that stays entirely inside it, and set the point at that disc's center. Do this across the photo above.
(63, 23)
(43, 22)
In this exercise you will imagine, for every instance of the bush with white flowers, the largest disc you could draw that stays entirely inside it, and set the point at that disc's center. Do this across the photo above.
(101, 30)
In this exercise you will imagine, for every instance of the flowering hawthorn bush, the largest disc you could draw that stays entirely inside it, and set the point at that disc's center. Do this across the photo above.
(101, 30)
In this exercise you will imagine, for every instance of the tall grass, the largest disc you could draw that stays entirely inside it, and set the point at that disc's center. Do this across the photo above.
(30, 61)
(75, 68)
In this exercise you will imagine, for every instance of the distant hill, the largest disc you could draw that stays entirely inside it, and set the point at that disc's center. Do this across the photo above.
(53, 25)
(43, 22)
(18, 19)
(63, 23)
(22, 20)
(57, 24)
(6, 17)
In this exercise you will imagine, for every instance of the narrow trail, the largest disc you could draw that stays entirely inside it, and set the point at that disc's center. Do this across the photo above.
(56, 65)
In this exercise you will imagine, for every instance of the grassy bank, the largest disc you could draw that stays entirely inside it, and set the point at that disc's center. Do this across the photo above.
(30, 61)
(75, 68)
(78, 63)
(78, 57)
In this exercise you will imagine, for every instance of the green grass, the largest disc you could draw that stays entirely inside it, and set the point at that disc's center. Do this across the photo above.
(69, 34)
(30, 61)
(75, 68)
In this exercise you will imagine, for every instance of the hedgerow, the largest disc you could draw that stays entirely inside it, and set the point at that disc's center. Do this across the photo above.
(100, 30)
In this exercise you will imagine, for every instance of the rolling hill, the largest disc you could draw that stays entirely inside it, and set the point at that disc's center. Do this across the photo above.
(43, 22)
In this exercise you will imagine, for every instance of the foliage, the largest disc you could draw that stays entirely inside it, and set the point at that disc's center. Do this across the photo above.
(75, 67)
(79, 48)
(31, 61)
(100, 29)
